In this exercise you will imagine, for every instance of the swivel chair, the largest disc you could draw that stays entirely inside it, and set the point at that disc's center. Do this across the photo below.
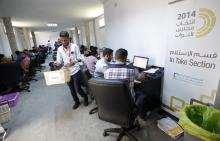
(115, 105)
(85, 78)
(11, 75)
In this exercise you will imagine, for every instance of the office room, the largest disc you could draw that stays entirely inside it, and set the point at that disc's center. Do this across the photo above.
(106, 70)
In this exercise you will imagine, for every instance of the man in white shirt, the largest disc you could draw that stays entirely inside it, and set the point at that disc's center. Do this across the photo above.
(69, 56)
(48, 43)
(103, 63)
(90, 61)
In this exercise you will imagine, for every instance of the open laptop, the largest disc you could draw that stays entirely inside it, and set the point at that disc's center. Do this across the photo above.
(140, 62)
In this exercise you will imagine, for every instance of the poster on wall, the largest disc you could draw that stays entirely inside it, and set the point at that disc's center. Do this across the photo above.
(192, 66)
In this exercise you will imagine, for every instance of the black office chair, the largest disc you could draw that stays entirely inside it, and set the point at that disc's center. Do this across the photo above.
(32, 72)
(115, 105)
(85, 78)
(11, 75)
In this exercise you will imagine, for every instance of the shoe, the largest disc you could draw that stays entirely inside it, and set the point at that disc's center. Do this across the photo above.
(86, 103)
(76, 105)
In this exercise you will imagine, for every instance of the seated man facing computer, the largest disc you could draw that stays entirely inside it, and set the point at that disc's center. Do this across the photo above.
(102, 64)
(119, 70)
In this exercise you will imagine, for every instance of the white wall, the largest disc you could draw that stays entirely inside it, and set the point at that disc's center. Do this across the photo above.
(1, 34)
(96, 34)
(31, 39)
(4, 43)
(1, 48)
(26, 33)
(140, 26)
(82, 35)
(92, 33)
(23, 39)
(19, 39)
(43, 37)
(75, 38)
(100, 33)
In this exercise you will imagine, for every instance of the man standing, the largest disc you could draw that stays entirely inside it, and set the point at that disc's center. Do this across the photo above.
(102, 64)
(69, 55)
(48, 44)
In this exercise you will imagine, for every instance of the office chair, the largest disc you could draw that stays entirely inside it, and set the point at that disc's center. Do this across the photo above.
(115, 105)
(32, 72)
(11, 75)
(84, 81)
(85, 77)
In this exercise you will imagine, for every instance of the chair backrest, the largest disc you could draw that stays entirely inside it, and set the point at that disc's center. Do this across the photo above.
(85, 77)
(114, 100)
(10, 73)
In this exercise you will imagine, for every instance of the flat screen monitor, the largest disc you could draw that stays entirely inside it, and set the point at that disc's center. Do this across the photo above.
(140, 62)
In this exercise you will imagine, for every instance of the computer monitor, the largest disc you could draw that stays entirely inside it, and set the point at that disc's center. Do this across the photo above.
(140, 62)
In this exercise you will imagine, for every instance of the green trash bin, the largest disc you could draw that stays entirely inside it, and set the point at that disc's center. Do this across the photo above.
(200, 123)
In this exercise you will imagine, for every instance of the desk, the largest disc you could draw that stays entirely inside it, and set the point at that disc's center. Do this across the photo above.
(151, 87)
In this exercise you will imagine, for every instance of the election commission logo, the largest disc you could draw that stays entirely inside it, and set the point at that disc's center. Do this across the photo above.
(209, 19)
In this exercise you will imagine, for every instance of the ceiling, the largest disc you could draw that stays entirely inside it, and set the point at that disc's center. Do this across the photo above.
(35, 14)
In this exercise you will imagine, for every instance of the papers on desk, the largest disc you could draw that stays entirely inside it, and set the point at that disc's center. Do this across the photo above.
(152, 70)
(136, 81)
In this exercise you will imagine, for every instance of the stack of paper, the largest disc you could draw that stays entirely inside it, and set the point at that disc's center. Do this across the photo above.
(152, 70)
(170, 127)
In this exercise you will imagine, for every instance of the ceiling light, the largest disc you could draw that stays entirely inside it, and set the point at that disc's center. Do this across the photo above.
(22, 24)
(52, 25)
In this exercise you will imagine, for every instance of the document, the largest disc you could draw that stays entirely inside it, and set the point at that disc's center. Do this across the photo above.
(152, 70)
(137, 81)
(170, 127)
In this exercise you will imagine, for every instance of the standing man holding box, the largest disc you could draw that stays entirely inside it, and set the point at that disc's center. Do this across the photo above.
(69, 55)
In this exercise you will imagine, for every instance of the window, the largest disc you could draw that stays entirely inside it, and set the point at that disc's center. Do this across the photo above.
(30, 35)
(102, 22)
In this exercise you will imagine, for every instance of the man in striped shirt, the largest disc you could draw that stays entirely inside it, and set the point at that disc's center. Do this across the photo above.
(119, 70)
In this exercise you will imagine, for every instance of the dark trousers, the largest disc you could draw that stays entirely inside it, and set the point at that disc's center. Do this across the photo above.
(75, 87)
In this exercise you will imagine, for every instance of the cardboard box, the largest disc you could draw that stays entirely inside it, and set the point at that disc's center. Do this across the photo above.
(57, 77)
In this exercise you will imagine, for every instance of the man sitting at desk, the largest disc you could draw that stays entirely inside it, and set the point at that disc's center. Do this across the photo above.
(120, 70)
(102, 64)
